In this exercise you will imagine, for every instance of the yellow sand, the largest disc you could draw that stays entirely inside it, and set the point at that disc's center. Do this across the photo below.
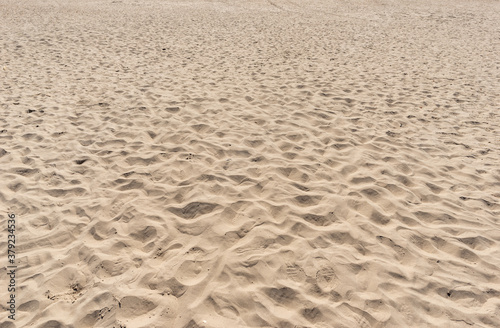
(253, 163)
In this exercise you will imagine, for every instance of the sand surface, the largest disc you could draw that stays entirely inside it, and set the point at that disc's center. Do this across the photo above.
(261, 163)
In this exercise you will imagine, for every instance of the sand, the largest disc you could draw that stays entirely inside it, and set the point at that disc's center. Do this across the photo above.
(251, 163)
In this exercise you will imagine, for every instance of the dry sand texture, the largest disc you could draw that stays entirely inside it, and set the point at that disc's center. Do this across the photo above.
(251, 163)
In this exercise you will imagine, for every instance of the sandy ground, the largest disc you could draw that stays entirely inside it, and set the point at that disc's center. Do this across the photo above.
(256, 163)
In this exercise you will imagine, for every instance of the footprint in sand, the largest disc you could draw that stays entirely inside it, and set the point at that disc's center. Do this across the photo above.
(327, 279)
(192, 272)
(295, 272)
(132, 306)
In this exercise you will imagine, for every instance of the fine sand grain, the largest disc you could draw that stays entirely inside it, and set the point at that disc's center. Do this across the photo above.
(260, 163)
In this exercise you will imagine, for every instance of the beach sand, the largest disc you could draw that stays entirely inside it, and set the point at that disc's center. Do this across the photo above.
(277, 163)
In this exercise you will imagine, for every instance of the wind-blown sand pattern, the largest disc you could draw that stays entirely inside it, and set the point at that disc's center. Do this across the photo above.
(251, 163)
